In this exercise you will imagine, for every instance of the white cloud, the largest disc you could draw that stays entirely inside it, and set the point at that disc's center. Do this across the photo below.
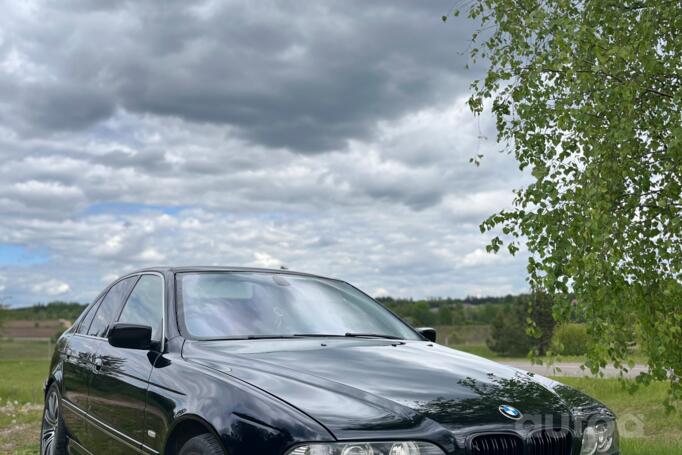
(265, 260)
(480, 257)
(51, 288)
(151, 255)
(325, 164)
(380, 292)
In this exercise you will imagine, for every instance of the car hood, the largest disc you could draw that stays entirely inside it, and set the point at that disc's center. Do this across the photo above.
(356, 387)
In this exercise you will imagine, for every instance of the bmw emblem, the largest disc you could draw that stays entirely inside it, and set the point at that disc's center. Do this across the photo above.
(510, 412)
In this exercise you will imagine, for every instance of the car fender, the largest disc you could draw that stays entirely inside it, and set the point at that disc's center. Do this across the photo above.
(244, 417)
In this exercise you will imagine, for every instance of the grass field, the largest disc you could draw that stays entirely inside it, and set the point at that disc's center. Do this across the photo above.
(14, 349)
(472, 339)
(481, 349)
(21, 382)
(661, 433)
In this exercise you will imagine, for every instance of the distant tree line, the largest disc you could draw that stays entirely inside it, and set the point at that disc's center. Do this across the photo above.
(447, 310)
(520, 324)
(39, 312)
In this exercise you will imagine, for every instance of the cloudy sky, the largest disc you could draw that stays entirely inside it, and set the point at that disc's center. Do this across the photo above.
(330, 137)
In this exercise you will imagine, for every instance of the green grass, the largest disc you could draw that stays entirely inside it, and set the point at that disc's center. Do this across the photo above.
(641, 415)
(481, 350)
(648, 447)
(472, 339)
(462, 334)
(22, 380)
(11, 349)
(21, 398)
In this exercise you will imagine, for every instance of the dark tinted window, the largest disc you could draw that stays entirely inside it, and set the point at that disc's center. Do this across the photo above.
(85, 323)
(110, 307)
(144, 305)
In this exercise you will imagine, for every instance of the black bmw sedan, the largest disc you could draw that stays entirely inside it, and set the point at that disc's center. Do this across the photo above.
(250, 361)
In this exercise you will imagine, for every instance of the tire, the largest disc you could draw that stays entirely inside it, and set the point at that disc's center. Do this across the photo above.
(204, 444)
(53, 432)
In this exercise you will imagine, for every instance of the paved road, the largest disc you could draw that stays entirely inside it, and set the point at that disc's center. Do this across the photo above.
(569, 369)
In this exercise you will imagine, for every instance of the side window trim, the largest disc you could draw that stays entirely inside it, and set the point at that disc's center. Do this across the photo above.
(94, 313)
(84, 316)
(93, 310)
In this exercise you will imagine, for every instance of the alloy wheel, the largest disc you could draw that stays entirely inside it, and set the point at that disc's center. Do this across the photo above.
(50, 424)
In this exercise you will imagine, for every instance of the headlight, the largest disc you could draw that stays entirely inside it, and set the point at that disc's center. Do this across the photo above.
(600, 437)
(368, 448)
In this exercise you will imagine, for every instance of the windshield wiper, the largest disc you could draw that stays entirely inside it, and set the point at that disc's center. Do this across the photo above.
(371, 335)
(250, 337)
(346, 335)
(318, 335)
(305, 335)
(267, 337)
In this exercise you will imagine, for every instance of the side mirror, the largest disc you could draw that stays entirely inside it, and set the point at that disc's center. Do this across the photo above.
(428, 333)
(130, 336)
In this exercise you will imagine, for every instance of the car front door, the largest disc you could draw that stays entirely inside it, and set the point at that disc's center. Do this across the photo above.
(119, 389)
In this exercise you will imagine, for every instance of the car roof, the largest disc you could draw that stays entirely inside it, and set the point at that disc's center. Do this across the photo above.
(186, 269)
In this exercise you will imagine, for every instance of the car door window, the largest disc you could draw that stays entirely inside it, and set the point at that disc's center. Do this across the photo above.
(84, 324)
(145, 305)
(110, 307)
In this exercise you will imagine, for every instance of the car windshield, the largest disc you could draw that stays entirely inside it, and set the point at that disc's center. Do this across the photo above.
(219, 305)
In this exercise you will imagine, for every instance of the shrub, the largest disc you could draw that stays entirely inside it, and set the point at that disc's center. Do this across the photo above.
(444, 315)
(508, 335)
(570, 339)
(421, 314)
(512, 333)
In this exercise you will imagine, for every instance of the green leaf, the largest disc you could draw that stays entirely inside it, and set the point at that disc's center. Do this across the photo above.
(588, 95)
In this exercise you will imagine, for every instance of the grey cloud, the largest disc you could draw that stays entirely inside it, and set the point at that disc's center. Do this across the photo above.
(306, 77)
(417, 194)
(157, 162)
(63, 107)
(150, 160)
(189, 133)
(40, 198)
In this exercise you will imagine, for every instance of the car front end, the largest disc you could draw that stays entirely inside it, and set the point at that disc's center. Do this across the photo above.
(369, 383)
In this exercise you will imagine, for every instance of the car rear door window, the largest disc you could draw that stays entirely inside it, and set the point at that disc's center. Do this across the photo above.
(84, 324)
(145, 305)
(110, 307)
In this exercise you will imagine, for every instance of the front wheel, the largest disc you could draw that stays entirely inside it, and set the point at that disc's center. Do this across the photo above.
(53, 434)
(204, 444)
